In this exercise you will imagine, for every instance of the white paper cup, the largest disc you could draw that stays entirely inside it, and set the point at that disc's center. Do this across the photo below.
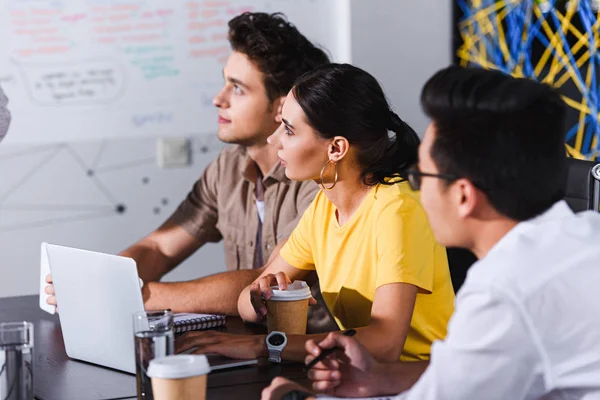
(179, 377)
(287, 310)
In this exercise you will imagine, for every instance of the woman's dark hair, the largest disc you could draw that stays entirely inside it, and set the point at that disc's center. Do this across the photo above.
(502, 133)
(343, 100)
(279, 50)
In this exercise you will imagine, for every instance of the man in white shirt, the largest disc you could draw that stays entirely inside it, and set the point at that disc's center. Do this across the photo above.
(527, 320)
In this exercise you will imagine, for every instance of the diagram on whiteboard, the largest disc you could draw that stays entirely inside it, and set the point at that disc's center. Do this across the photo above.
(90, 69)
(88, 82)
(88, 185)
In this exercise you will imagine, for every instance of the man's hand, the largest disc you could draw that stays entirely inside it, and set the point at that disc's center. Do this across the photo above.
(351, 371)
(260, 291)
(279, 387)
(226, 344)
(49, 289)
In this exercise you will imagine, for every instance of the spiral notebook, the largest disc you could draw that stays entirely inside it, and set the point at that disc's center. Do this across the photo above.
(184, 322)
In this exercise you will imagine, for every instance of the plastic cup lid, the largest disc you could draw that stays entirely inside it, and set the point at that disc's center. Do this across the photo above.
(298, 290)
(178, 366)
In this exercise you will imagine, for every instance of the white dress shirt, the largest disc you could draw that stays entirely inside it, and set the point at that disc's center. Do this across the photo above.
(527, 319)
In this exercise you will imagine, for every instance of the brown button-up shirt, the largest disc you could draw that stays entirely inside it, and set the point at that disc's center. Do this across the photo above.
(222, 205)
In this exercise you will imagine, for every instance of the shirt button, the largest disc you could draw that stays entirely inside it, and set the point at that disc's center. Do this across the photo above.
(250, 243)
(268, 246)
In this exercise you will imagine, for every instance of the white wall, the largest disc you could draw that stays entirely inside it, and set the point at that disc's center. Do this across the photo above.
(47, 194)
(402, 43)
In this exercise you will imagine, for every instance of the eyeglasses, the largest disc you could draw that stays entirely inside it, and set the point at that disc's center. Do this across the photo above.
(414, 177)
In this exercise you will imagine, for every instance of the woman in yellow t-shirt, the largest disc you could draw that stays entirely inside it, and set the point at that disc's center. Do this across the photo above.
(366, 234)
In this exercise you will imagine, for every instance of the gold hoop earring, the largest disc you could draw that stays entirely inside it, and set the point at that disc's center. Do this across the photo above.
(335, 179)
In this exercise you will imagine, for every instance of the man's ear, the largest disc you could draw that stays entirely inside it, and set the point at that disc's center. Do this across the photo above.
(468, 198)
(278, 104)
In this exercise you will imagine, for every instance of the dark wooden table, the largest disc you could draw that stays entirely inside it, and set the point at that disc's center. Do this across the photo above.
(56, 377)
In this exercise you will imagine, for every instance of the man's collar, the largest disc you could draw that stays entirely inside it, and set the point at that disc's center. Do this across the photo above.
(558, 210)
(249, 171)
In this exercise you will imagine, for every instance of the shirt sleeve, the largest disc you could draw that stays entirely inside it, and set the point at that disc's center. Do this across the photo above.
(405, 245)
(198, 213)
(489, 353)
(297, 251)
(306, 194)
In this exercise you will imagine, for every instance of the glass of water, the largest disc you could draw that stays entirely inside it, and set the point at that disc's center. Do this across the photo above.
(153, 332)
(16, 361)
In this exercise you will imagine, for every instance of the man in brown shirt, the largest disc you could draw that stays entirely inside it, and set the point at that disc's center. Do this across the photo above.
(243, 197)
(222, 205)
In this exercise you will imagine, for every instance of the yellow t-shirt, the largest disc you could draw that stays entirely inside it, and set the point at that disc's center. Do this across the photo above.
(387, 240)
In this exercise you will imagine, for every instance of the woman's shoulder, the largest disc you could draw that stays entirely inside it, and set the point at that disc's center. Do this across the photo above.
(398, 195)
(398, 206)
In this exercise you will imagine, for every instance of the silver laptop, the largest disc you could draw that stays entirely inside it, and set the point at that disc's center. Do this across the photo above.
(98, 294)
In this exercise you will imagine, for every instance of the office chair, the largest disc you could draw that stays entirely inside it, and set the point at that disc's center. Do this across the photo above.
(459, 261)
(582, 191)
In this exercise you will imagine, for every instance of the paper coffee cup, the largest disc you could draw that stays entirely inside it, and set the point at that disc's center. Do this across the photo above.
(179, 377)
(287, 310)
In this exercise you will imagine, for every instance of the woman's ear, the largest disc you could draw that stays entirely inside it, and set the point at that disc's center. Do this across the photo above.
(338, 148)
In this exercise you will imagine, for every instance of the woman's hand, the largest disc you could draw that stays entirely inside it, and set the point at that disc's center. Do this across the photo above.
(260, 291)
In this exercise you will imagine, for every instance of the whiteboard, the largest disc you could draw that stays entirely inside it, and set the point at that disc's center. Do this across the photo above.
(78, 70)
